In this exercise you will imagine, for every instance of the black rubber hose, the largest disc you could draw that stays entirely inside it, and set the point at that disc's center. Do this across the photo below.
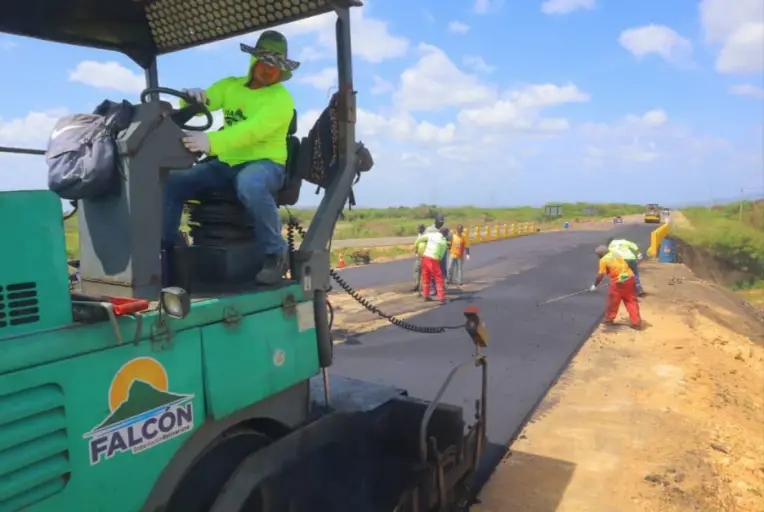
(366, 303)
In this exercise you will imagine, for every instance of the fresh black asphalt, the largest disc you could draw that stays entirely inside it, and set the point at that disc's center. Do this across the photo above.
(530, 346)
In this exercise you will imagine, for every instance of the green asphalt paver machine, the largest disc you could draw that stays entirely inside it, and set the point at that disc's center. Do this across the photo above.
(123, 394)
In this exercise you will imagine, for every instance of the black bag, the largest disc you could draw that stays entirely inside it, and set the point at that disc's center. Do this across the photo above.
(321, 146)
(82, 155)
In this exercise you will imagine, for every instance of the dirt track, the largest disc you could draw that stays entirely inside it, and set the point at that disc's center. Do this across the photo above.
(667, 419)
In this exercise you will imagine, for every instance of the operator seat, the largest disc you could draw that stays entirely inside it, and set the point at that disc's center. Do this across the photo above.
(217, 217)
(223, 245)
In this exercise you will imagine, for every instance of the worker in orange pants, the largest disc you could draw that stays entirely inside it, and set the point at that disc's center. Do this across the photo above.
(623, 286)
(435, 247)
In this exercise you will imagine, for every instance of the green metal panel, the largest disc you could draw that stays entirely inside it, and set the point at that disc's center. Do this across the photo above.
(258, 356)
(30, 349)
(34, 282)
(51, 459)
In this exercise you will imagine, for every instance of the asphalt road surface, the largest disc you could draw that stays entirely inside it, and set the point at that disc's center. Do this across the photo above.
(530, 346)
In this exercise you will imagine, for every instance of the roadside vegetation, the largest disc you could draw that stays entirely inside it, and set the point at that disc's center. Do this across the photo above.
(402, 221)
(722, 233)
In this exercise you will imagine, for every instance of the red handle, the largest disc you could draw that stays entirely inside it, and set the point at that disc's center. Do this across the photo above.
(129, 306)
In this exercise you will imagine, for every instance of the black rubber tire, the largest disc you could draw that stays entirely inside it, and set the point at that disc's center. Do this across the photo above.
(200, 487)
(330, 313)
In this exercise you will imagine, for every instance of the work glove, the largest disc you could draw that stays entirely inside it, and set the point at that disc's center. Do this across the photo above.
(639, 256)
(467, 257)
(198, 94)
(197, 142)
(593, 288)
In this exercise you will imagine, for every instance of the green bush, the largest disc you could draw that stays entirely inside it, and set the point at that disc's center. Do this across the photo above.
(720, 231)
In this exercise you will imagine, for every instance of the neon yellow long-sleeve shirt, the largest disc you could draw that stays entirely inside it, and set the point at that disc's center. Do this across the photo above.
(626, 249)
(256, 120)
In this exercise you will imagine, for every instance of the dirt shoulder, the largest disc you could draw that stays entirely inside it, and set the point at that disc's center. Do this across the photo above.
(667, 419)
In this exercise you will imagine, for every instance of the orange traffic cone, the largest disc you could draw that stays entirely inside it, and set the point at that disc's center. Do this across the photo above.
(341, 262)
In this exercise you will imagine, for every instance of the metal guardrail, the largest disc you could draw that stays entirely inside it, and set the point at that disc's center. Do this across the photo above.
(493, 232)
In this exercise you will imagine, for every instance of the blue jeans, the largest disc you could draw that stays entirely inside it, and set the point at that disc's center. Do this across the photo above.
(634, 266)
(455, 270)
(257, 184)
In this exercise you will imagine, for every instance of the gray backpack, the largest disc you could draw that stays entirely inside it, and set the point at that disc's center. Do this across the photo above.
(82, 155)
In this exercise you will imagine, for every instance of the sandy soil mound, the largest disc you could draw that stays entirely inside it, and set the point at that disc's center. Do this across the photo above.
(667, 419)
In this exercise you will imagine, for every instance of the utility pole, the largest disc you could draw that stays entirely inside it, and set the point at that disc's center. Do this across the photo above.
(742, 199)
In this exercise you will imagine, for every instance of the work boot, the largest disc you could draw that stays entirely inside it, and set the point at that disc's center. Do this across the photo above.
(274, 268)
(636, 327)
(608, 322)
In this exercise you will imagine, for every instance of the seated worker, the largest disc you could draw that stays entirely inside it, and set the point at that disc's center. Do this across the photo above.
(250, 151)
(622, 286)
(435, 247)
(629, 251)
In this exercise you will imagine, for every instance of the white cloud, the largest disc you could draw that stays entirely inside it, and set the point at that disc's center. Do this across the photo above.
(372, 40)
(520, 109)
(403, 127)
(743, 51)
(26, 172)
(7, 44)
(643, 139)
(656, 117)
(478, 64)
(435, 83)
(457, 27)
(305, 121)
(566, 6)
(107, 75)
(323, 80)
(487, 6)
(380, 86)
(656, 39)
(738, 29)
(31, 131)
(630, 125)
(311, 53)
(754, 91)
(547, 95)
(412, 159)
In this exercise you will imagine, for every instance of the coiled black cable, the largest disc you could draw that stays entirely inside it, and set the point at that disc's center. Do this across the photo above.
(294, 225)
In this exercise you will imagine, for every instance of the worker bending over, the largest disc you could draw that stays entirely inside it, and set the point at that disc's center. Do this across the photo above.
(459, 251)
(418, 250)
(629, 251)
(435, 246)
(622, 286)
(250, 151)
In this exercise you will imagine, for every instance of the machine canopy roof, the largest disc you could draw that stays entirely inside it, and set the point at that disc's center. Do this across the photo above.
(143, 29)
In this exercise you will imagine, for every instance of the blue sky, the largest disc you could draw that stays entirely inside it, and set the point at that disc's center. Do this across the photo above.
(490, 102)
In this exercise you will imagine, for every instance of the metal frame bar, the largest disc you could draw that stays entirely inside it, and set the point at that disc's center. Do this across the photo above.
(314, 249)
(321, 229)
(152, 79)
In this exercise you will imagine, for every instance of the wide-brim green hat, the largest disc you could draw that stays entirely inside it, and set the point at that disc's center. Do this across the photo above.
(271, 48)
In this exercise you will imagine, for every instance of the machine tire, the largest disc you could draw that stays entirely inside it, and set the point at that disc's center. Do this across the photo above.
(204, 481)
